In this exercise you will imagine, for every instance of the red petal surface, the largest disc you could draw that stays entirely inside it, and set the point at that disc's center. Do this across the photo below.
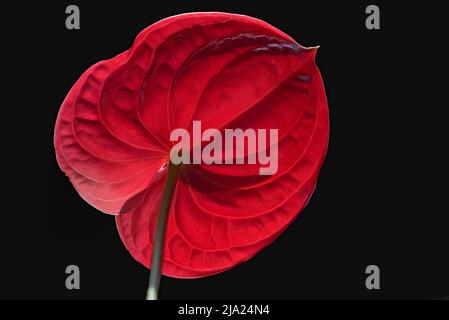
(112, 137)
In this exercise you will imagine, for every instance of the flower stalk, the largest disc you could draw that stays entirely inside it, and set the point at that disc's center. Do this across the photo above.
(158, 243)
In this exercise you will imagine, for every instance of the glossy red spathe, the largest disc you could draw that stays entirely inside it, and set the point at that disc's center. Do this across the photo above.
(112, 137)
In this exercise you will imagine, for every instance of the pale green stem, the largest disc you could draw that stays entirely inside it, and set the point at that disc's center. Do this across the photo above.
(158, 244)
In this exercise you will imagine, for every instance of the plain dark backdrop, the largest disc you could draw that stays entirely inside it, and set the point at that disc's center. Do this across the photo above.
(379, 199)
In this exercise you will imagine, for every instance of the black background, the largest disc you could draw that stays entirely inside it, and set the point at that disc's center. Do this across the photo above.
(379, 198)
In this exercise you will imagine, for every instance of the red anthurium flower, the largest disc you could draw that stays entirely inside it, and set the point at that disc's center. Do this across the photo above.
(229, 71)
